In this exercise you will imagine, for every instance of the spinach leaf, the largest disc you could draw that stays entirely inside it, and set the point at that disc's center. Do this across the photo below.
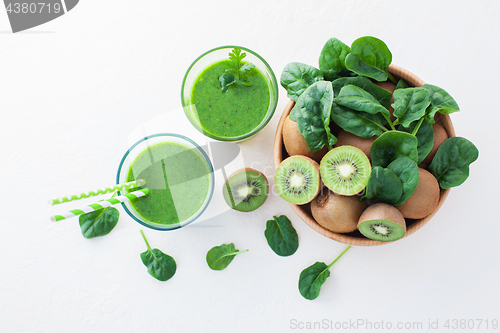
(99, 222)
(370, 57)
(407, 171)
(219, 257)
(312, 114)
(296, 77)
(226, 80)
(410, 105)
(359, 123)
(383, 185)
(332, 59)
(441, 102)
(401, 84)
(161, 266)
(451, 163)
(392, 145)
(281, 236)
(383, 96)
(425, 138)
(312, 278)
(359, 99)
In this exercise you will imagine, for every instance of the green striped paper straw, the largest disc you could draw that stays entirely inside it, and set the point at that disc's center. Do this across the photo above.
(101, 205)
(104, 190)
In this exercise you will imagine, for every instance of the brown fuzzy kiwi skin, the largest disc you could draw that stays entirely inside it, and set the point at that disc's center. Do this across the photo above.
(316, 166)
(295, 144)
(337, 213)
(383, 211)
(440, 136)
(425, 198)
(345, 138)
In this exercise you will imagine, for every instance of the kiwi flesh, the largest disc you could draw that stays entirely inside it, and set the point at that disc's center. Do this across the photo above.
(345, 138)
(297, 179)
(337, 213)
(345, 170)
(440, 135)
(424, 199)
(295, 144)
(382, 222)
(245, 190)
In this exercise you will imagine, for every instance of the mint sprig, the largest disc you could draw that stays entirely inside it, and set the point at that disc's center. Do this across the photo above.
(238, 72)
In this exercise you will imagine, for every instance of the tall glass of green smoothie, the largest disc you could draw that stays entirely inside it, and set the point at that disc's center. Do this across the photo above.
(179, 175)
(229, 93)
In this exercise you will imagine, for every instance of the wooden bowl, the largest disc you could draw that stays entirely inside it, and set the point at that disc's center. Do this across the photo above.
(356, 238)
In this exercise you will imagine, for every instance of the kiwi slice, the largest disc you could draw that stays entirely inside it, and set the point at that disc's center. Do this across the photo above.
(345, 170)
(246, 190)
(382, 222)
(297, 179)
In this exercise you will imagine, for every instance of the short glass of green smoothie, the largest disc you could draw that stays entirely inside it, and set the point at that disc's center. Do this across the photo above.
(178, 174)
(229, 97)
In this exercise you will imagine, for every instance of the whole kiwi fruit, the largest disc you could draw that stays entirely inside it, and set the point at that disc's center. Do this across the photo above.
(337, 213)
(425, 198)
(382, 222)
(295, 144)
(440, 135)
(345, 138)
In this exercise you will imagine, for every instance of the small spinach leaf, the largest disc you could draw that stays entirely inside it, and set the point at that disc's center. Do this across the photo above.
(410, 105)
(312, 114)
(370, 57)
(99, 222)
(451, 163)
(392, 145)
(296, 77)
(226, 80)
(359, 123)
(219, 257)
(281, 236)
(383, 96)
(359, 99)
(407, 171)
(425, 138)
(401, 84)
(161, 266)
(383, 185)
(441, 102)
(312, 278)
(332, 59)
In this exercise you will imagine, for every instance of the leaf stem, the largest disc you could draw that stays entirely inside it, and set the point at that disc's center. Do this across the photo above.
(389, 121)
(392, 78)
(340, 255)
(415, 130)
(142, 233)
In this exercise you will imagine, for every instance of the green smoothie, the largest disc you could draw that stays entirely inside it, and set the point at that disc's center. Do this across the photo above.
(178, 179)
(235, 112)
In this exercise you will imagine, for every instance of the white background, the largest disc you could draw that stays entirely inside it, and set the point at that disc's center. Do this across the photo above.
(72, 93)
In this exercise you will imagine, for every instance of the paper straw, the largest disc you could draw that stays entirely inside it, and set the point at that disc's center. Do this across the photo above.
(104, 190)
(100, 205)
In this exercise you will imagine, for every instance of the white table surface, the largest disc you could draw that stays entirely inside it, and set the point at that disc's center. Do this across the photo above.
(77, 91)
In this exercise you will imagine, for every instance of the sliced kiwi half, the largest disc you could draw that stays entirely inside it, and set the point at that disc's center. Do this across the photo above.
(246, 190)
(382, 222)
(345, 170)
(297, 179)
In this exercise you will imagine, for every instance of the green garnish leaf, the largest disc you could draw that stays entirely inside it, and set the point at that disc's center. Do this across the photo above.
(161, 266)
(238, 72)
(282, 236)
(219, 257)
(226, 80)
(99, 222)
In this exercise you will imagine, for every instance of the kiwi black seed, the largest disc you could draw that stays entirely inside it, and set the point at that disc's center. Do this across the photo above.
(246, 190)
(297, 179)
(382, 222)
(345, 170)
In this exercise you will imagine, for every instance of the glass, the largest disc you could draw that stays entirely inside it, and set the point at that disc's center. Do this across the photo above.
(143, 144)
(216, 55)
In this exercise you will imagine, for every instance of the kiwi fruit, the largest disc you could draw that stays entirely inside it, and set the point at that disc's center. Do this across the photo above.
(337, 213)
(295, 144)
(345, 138)
(297, 179)
(440, 136)
(245, 190)
(382, 222)
(424, 199)
(345, 170)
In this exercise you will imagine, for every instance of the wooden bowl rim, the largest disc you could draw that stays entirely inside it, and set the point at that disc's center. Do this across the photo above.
(444, 120)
